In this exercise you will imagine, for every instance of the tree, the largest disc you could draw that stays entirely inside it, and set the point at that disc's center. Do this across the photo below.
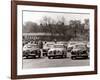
(30, 27)
(76, 26)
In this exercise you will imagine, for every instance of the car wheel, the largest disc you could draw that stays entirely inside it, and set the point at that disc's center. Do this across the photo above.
(39, 55)
(73, 57)
(50, 57)
(65, 56)
(27, 57)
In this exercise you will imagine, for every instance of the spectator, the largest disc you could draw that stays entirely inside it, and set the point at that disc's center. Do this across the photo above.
(55, 40)
(40, 43)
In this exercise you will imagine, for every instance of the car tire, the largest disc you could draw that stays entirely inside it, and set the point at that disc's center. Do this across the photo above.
(39, 55)
(73, 57)
(27, 57)
(50, 57)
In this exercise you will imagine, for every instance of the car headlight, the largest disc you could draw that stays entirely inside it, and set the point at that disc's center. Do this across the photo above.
(54, 51)
(84, 52)
(50, 52)
(59, 51)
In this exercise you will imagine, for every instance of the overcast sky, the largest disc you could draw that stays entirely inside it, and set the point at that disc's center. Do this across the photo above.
(37, 16)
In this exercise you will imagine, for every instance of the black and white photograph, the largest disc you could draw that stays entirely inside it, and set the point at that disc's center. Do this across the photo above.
(55, 39)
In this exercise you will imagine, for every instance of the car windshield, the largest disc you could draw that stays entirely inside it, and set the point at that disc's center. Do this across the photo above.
(58, 46)
(80, 47)
(30, 46)
(72, 43)
(49, 45)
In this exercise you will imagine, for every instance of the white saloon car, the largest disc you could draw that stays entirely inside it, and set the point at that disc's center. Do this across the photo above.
(31, 50)
(58, 50)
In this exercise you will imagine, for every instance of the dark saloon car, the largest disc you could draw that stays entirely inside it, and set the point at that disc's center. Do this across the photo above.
(79, 51)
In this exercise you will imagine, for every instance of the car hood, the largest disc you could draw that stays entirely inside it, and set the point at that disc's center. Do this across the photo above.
(53, 49)
(30, 49)
(46, 47)
(78, 49)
